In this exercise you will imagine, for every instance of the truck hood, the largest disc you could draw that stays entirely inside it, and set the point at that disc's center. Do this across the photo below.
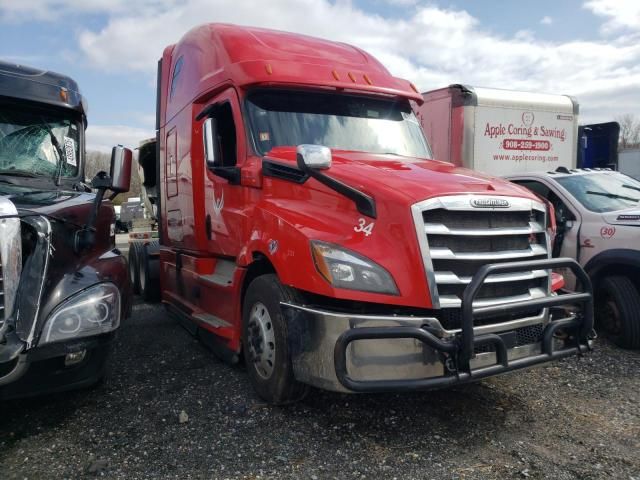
(629, 216)
(48, 202)
(406, 178)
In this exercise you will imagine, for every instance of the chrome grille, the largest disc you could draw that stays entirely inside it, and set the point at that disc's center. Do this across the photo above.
(457, 239)
(2, 309)
(10, 257)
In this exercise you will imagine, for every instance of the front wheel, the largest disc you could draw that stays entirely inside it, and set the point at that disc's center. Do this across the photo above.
(264, 333)
(618, 311)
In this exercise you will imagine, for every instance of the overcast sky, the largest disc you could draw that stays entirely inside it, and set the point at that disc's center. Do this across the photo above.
(589, 49)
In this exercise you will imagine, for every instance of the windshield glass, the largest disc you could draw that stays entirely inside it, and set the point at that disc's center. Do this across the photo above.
(603, 192)
(336, 121)
(36, 142)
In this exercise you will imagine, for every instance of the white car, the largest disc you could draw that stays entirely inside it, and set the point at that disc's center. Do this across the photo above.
(598, 223)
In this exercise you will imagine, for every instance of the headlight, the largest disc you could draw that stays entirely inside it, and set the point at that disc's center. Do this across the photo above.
(91, 312)
(346, 269)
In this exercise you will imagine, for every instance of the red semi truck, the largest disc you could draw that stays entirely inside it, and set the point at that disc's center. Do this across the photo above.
(304, 226)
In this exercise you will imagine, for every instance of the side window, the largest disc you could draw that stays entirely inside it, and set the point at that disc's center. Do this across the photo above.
(545, 192)
(177, 69)
(226, 134)
(536, 187)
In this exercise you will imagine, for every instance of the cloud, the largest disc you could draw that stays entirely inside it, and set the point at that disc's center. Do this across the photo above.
(620, 14)
(430, 45)
(104, 137)
(546, 20)
(53, 10)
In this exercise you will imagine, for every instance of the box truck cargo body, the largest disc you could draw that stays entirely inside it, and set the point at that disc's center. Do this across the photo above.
(629, 162)
(498, 131)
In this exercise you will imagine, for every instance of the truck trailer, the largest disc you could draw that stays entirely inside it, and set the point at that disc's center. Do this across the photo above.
(64, 286)
(304, 227)
(498, 131)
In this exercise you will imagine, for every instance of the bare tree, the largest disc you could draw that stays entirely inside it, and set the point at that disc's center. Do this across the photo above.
(100, 161)
(629, 131)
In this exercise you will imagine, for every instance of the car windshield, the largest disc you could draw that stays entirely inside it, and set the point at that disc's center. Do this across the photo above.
(338, 121)
(603, 192)
(35, 142)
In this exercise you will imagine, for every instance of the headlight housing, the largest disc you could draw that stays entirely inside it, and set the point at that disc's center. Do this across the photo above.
(343, 268)
(93, 311)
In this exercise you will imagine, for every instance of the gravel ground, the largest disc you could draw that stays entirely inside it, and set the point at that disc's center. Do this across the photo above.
(169, 409)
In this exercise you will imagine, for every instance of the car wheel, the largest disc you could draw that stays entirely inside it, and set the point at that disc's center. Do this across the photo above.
(618, 311)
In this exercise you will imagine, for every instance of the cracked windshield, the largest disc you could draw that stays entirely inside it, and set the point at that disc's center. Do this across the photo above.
(33, 144)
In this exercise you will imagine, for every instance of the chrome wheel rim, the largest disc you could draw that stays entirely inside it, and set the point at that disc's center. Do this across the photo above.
(261, 341)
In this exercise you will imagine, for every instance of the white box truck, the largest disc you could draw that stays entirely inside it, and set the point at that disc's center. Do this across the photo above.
(497, 131)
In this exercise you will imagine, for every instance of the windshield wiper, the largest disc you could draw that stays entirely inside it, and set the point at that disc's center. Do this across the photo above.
(613, 195)
(631, 187)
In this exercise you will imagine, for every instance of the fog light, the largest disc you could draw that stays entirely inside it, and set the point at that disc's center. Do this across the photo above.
(74, 358)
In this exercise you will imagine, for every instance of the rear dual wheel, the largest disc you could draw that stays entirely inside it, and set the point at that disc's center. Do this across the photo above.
(149, 273)
(134, 266)
(264, 333)
(144, 270)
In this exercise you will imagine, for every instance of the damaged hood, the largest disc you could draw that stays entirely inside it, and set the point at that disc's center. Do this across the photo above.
(411, 179)
(46, 202)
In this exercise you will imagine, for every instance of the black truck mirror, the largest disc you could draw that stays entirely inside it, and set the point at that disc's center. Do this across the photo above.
(121, 161)
(118, 181)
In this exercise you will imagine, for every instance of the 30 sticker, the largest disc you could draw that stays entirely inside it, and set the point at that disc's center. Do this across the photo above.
(362, 227)
(607, 232)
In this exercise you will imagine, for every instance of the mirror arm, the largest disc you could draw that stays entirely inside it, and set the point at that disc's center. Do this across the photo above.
(365, 204)
(86, 236)
(230, 173)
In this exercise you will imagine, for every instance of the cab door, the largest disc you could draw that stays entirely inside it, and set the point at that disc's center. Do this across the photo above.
(224, 206)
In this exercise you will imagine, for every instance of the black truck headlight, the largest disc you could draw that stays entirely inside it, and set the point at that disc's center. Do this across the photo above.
(91, 312)
(343, 268)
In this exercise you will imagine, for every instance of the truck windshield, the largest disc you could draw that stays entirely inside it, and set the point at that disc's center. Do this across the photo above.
(603, 192)
(36, 142)
(343, 122)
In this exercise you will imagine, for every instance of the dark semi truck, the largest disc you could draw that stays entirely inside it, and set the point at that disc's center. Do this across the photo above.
(64, 287)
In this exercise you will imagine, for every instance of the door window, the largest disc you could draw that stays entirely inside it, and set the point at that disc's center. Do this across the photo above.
(226, 134)
(539, 188)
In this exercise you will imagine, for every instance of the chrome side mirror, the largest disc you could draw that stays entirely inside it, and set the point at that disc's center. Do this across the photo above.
(120, 174)
(316, 157)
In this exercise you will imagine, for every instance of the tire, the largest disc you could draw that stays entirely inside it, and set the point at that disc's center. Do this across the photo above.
(264, 336)
(134, 271)
(149, 273)
(618, 311)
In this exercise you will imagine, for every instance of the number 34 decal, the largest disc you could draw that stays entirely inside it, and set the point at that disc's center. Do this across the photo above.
(362, 227)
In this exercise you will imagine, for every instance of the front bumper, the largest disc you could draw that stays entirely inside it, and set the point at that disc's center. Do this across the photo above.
(361, 353)
(43, 370)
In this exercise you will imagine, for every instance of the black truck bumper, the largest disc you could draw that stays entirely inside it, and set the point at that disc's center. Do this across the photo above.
(364, 353)
(48, 369)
